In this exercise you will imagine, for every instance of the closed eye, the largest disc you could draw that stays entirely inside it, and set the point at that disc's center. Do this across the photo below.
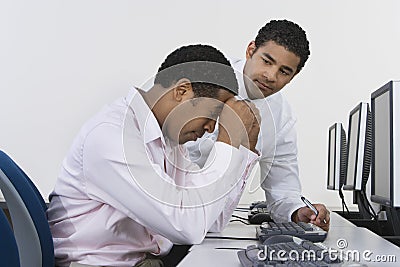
(216, 112)
(213, 115)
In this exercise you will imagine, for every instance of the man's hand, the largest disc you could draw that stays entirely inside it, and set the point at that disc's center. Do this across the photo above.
(253, 134)
(238, 123)
(305, 214)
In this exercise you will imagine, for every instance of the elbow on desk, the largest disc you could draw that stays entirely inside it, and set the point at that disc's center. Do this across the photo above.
(189, 229)
(190, 237)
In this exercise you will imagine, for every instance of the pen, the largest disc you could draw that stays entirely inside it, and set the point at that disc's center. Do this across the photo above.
(308, 204)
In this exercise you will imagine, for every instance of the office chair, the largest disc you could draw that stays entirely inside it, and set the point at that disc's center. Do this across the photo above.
(27, 209)
(8, 247)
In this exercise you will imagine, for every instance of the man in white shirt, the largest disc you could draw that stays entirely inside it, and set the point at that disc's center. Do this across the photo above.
(127, 190)
(278, 53)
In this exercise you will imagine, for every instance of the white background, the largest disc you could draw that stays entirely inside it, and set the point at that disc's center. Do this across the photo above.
(61, 61)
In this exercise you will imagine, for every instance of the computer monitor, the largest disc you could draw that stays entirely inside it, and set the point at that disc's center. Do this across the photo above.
(336, 156)
(385, 174)
(359, 145)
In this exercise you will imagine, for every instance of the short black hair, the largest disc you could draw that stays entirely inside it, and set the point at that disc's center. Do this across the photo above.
(287, 34)
(205, 66)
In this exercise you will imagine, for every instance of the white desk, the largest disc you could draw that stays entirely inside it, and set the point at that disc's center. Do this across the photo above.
(223, 252)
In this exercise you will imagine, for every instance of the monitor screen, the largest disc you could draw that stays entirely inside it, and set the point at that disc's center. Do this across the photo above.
(331, 159)
(381, 148)
(358, 148)
(336, 156)
(352, 150)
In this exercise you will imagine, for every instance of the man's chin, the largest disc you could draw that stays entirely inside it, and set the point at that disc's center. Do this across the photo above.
(267, 94)
(185, 140)
(256, 95)
(190, 136)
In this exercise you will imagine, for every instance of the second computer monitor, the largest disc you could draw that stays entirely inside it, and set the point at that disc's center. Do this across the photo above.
(385, 174)
(359, 143)
(336, 157)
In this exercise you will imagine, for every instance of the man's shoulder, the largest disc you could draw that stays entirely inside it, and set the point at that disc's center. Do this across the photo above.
(280, 108)
(235, 60)
(277, 103)
(237, 63)
(278, 99)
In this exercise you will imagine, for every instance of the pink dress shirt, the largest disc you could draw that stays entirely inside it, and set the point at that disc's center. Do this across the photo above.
(124, 191)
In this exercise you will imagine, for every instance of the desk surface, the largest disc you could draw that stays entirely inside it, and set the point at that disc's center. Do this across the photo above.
(361, 242)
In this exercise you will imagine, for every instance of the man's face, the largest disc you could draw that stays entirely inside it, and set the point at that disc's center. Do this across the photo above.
(268, 69)
(192, 118)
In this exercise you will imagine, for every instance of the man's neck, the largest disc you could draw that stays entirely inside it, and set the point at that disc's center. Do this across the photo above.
(155, 99)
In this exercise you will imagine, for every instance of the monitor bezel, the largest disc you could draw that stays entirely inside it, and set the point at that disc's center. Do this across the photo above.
(338, 154)
(330, 135)
(361, 138)
(376, 198)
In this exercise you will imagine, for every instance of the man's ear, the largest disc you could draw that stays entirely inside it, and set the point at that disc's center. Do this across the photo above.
(251, 48)
(183, 90)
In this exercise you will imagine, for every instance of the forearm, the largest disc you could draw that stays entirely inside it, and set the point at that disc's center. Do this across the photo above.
(234, 196)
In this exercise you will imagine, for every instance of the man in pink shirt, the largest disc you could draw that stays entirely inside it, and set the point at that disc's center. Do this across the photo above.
(127, 190)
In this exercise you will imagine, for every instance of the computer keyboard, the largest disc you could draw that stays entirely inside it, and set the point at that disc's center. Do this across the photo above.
(293, 252)
(303, 230)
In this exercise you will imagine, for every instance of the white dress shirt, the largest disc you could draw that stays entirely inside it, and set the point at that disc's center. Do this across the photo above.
(123, 191)
(277, 144)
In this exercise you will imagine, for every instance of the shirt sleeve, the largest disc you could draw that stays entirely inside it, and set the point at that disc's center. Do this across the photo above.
(120, 170)
(280, 175)
(234, 196)
(200, 150)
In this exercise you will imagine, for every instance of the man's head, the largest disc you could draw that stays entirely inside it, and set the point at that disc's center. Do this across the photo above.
(206, 67)
(196, 80)
(278, 53)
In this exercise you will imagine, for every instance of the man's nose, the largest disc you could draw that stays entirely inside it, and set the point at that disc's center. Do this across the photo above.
(209, 126)
(270, 74)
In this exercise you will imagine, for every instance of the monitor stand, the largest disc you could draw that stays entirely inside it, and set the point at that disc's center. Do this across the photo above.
(361, 200)
(393, 216)
(367, 217)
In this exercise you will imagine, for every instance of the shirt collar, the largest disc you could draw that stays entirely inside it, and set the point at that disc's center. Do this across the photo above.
(238, 66)
(147, 122)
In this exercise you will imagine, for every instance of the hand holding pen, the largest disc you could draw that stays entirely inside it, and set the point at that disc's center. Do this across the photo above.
(316, 214)
(308, 204)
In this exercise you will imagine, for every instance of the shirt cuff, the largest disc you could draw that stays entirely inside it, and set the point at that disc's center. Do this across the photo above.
(163, 243)
(292, 209)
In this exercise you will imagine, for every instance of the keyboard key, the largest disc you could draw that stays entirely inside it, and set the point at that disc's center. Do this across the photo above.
(303, 230)
(293, 252)
(306, 226)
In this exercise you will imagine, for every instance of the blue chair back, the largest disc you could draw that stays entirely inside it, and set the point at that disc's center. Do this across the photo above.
(8, 247)
(28, 215)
